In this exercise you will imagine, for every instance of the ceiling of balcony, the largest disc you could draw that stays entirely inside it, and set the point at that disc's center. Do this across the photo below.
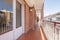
(36, 3)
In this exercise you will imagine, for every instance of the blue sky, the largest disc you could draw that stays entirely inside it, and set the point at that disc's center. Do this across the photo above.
(51, 7)
(5, 5)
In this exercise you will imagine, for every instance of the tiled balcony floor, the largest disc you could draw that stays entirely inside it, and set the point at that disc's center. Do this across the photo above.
(31, 35)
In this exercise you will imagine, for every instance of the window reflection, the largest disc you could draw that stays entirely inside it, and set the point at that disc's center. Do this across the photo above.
(5, 21)
(18, 14)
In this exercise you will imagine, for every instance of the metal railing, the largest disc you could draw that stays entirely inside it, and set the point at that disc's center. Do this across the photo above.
(52, 30)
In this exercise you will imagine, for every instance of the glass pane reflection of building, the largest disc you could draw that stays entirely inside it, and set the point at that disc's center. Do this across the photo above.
(5, 21)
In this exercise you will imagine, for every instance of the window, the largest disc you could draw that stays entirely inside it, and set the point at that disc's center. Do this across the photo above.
(6, 16)
(18, 14)
(57, 18)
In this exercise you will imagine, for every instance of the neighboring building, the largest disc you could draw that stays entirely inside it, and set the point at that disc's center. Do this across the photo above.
(53, 17)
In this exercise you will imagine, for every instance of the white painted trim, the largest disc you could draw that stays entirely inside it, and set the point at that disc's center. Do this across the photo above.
(23, 17)
(14, 14)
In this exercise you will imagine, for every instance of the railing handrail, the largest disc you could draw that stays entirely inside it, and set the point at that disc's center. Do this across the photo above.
(53, 22)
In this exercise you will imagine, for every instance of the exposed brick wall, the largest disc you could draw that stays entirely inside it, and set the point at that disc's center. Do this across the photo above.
(32, 18)
(29, 17)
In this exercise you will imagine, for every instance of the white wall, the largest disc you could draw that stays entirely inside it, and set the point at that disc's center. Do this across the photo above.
(12, 35)
(38, 13)
(7, 36)
(15, 33)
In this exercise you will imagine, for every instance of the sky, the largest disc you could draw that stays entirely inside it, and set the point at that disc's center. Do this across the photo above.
(5, 6)
(51, 7)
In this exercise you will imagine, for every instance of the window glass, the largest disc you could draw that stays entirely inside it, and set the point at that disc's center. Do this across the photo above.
(18, 14)
(6, 17)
